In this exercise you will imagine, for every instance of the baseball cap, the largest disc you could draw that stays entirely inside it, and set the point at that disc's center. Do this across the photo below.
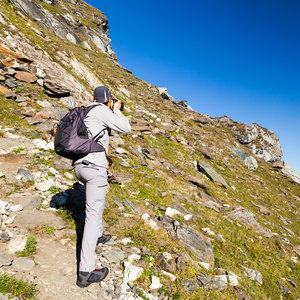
(101, 94)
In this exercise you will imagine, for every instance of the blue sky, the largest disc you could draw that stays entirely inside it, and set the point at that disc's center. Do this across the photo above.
(235, 58)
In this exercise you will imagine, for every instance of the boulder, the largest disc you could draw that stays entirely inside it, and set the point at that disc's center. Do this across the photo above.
(248, 161)
(263, 143)
(26, 76)
(205, 168)
(189, 238)
(246, 217)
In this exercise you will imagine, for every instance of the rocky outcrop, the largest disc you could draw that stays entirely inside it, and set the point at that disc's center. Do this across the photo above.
(263, 143)
(67, 26)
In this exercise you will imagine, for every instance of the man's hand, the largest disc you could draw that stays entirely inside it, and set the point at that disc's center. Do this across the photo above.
(117, 105)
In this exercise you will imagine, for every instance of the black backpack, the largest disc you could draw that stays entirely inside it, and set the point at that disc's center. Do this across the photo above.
(71, 138)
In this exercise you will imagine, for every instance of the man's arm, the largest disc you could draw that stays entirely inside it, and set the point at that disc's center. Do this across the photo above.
(117, 121)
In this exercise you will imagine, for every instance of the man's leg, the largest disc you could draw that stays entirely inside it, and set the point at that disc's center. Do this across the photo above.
(95, 184)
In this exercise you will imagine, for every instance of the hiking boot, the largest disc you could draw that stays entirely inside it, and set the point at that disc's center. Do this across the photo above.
(84, 279)
(103, 239)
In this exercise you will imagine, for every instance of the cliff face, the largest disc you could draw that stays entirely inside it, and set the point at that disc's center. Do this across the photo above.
(201, 207)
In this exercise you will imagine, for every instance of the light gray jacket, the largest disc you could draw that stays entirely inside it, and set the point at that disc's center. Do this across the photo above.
(99, 119)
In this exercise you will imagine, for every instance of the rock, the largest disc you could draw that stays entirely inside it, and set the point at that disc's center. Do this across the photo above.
(18, 207)
(25, 175)
(132, 273)
(131, 206)
(23, 263)
(246, 217)
(254, 275)
(26, 200)
(5, 259)
(114, 255)
(285, 291)
(44, 185)
(172, 212)
(208, 201)
(155, 283)
(4, 207)
(190, 285)
(5, 90)
(263, 143)
(203, 167)
(189, 238)
(56, 90)
(17, 243)
(120, 178)
(33, 218)
(11, 83)
(289, 172)
(218, 282)
(163, 92)
(61, 163)
(25, 76)
(171, 276)
(248, 161)
(18, 57)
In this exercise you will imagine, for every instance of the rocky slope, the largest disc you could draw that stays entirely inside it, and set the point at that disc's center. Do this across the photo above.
(199, 207)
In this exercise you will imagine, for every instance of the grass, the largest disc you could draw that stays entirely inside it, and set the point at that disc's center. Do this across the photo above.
(30, 248)
(18, 288)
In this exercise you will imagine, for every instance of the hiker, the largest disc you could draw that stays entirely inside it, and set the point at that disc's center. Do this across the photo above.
(91, 170)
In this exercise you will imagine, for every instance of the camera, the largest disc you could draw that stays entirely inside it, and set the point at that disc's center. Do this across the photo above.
(122, 104)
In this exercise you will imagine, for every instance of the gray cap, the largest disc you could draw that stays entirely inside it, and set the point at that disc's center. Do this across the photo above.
(101, 94)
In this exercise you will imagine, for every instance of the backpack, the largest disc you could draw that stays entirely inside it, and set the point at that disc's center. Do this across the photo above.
(71, 138)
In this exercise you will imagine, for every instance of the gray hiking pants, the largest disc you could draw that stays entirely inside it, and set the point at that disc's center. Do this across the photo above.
(95, 181)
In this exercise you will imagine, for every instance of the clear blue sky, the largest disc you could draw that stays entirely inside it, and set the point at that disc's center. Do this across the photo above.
(235, 58)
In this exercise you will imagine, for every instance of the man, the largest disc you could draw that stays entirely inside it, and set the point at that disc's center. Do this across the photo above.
(91, 170)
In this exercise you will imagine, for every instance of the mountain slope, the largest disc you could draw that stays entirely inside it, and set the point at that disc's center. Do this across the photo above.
(212, 193)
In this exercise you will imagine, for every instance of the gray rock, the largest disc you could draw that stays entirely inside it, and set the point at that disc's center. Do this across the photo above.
(248, 161)
(120, 178)
(61, 163)
(208, 201)
(246, 217)
(190, 285)
(23, 263)
(189, 238)
(205, 168)
(289, 172)
(131, 206)
(5, 259)
(263, 143)
(212, 282)
(115, 255)
(254, 275)
(285, 291)
(26, 175)
(11, 83)
(32, 218)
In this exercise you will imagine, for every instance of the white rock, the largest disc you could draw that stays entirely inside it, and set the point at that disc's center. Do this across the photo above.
(170, 275)
(44, 185)
(167, 255)
(145, 216)
(4, 207)
(155, 283)
(18, 207)
(17, 243)
(121, 151)
(233, 280)
(10, 220)
(132, 273)
(172, 212)
(187, 217)
(204, 265)
(44, 103)
(208, 231)
(1, 174)
(133, 257)
(126, 241)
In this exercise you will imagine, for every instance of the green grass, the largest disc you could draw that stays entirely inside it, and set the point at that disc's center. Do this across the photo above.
(19, 288)
(30, 248)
